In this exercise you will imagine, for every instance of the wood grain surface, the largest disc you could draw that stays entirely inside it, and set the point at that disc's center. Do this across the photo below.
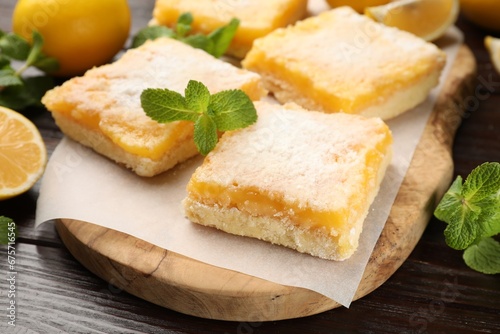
(191, 287)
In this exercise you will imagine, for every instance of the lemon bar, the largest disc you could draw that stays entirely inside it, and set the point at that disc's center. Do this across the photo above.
(297, 178)
(257, 17)
(341, 61)
(102, 109)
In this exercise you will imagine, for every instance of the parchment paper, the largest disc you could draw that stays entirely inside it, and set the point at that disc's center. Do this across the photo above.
(80, 184)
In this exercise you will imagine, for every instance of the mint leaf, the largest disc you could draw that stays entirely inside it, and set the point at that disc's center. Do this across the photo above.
(27, 95)
(183, 25)
(222, 37)
(14, 46)
(471, 209)
(4, 62)
(197, 96)
(205, 134)
(483, 182)
(17, 92)
(8, 230)
(151, 33)
(36, 87)
(164, 105)
(46, 64)
(36, 49)
(484, 256)
(215, 43)
(38, 59)
(451, 199)
(8, 77)
(199, 41)
(13, 97)
(461, 235)
(232, 110)
(223, 111)
(491, 226)
(453, 210)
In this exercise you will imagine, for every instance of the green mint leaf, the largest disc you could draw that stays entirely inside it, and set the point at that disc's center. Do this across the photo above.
(8, 230)
(46, 64)
(197, 96)
(151, 33)
(459, 234)
(205, 134)
(36, 49)
(451, 199)
(462, 234)
(232, 110)
(14, 46)
(183, 25)
(492, 226)
(482, 189)
(2, 33)
(222, 37)
(199, 41)
(484, 256)
(4, 62)
(483, 182)
(8, 77)
(36, 87)
(11, 97)
(226, 110)
(26, 95)
(215, 43)
(471, 209)
(164, 105)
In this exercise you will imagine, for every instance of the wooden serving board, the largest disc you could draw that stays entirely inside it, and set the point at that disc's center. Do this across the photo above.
(192, 287)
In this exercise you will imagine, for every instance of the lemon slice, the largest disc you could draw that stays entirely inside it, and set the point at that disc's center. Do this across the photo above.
(493, 46)
(357, 5)
(23, 155)
(428, 19)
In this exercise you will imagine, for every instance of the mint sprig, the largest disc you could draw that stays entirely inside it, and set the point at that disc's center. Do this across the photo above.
(472, 211)
(215, 43)
(223, 111)
(17, 92)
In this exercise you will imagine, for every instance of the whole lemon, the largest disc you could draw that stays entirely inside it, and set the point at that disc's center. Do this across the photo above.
(80, 34)
(484, 13)
(357, 5)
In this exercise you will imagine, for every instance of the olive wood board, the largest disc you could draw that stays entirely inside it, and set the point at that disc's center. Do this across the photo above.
(195, 288)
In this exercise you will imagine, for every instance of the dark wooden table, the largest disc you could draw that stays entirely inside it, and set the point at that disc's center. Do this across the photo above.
(432, 292)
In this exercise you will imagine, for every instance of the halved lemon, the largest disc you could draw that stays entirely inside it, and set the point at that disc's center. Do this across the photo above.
(23, 155)
(493, 46)
(428, 19)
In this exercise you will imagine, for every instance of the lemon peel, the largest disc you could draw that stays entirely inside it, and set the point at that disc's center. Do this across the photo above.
(428, 19)
(23, 155)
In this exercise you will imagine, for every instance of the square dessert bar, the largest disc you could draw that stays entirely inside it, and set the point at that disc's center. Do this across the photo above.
(257, 17)
(103, 110)
(341, 61)
(297, 178)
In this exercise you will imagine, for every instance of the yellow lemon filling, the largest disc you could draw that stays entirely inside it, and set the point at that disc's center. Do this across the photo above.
(346, 62)
(107, 99)
(297, 178)
(257, 201)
